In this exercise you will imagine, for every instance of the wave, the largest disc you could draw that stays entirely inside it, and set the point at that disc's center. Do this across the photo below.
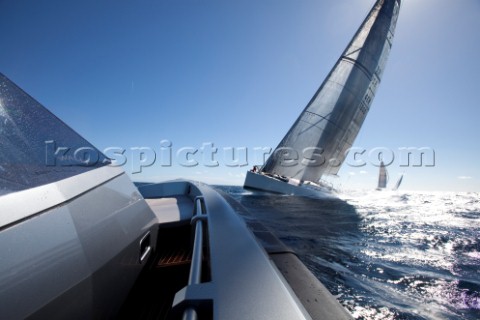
(385, 255)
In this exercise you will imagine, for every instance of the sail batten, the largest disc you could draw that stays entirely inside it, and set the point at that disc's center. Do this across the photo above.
(318, 141)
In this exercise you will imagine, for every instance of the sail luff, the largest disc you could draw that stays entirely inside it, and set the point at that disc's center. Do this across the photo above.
(316, 144)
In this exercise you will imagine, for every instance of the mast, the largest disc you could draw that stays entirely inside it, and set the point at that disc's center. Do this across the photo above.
(318, 141)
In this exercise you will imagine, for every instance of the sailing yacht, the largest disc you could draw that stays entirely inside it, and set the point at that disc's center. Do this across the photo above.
(399, 182)
(382, 177)
(317, 143)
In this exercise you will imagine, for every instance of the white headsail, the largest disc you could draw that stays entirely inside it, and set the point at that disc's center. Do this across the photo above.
(317, 142)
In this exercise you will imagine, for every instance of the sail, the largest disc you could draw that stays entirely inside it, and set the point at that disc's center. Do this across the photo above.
(318, 141)
(397, 185)
(382, 177)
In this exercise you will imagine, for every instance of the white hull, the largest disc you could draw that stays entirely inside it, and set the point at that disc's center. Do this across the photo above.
(266, 183)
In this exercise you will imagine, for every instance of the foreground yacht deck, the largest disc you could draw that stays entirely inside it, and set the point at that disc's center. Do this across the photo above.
(237, 269)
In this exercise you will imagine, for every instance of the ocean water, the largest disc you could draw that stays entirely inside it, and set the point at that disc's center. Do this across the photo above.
(384, 255)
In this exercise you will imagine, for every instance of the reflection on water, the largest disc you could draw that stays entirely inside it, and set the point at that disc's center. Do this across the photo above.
(385, 255)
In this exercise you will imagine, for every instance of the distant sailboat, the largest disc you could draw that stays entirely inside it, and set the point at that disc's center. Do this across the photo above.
(317, 143)
(382, 177)
(397, 185)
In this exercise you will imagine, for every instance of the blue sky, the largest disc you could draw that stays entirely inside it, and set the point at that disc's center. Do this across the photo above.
(236, 74)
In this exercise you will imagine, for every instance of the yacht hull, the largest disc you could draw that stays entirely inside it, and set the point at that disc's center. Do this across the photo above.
(264, 182)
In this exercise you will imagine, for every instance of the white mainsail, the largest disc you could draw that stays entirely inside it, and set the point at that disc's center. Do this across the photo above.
(318, 141)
